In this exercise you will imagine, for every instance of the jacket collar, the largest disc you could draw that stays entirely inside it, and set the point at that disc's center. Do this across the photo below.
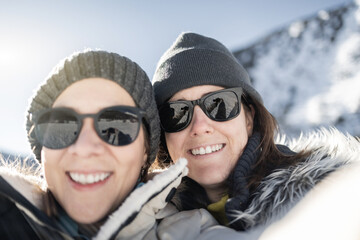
(283, 188)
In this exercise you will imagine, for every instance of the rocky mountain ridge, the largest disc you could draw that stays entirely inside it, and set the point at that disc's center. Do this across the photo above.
(308, 72)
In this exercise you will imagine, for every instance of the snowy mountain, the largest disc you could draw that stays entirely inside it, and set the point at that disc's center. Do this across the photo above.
(309, 71)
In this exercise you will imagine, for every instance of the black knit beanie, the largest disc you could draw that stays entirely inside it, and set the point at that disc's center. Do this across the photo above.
(90, 64)
(195, 60)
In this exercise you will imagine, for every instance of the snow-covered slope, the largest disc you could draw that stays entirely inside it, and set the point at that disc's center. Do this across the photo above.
(309, 71)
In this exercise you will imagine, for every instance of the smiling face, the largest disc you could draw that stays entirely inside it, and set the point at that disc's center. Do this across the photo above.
(90, 178)
(211, 148)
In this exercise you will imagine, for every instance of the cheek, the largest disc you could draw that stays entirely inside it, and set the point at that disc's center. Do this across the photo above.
(51, 163)
(174, 143)
(133, 154)
(50, 156)
(238, 136)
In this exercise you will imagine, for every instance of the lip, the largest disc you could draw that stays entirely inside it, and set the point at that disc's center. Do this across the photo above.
(89, 186)
(206, 149)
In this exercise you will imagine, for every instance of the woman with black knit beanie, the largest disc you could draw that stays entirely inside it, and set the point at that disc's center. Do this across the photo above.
(211, 115)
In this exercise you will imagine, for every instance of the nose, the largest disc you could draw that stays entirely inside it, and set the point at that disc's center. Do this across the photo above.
(88, 142)
(200, 123)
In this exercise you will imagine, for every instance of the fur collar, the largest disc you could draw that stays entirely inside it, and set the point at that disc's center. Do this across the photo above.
(24, 178)
(285, 187)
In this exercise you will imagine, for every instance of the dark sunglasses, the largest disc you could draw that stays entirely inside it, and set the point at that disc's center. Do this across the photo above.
(58, 128)
(222, 105)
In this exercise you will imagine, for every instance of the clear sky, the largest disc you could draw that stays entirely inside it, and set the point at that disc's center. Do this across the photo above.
(35, 35)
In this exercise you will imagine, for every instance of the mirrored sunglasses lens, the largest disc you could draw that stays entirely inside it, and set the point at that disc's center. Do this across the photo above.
(222, 106)
(56, 129)
(174, 116)
(118, 128)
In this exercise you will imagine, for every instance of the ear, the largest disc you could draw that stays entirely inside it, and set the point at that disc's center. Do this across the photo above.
(249, 118)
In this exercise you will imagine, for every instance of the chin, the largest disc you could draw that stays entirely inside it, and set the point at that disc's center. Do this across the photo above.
(86, 220)
(207, 177)
(86, 217)
(205, 181)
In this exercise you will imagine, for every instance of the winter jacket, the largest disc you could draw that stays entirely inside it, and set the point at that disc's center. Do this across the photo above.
(284, 188)
(143, 215)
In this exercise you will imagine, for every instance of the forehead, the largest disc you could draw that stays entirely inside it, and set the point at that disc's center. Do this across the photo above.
(93, 94)
(194, 93)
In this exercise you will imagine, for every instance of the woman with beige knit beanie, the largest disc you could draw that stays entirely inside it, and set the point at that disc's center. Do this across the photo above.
(94, 128)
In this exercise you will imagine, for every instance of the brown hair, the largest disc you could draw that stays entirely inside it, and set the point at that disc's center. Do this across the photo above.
(270, 156)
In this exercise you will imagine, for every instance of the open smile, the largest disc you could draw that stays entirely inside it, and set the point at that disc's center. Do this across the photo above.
(90, 178)
(206, 149)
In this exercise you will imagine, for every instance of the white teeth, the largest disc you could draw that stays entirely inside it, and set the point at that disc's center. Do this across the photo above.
(103, 176)
(207, 150)
(97, 177)
(88, 178)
